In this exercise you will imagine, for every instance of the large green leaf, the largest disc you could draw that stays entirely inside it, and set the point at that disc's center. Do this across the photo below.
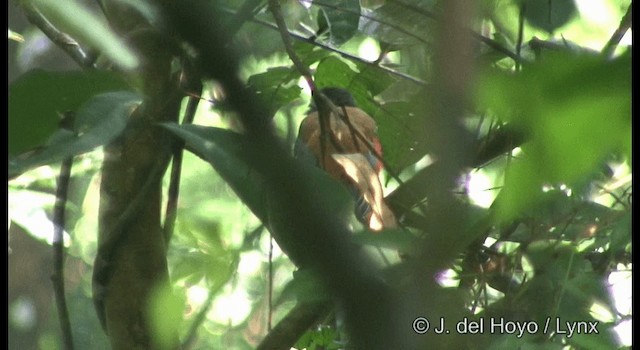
(97, 122)
(549, 15)
(38, 97)
(577, 110)
(340, 17)
(398, 239)
(399, 128)
(363, 82)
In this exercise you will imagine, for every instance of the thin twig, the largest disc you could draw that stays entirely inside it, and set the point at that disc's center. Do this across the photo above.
(496, 46)
(58, 253)
(270, 283)
(363, 15)
(60, 39)
(521, 14)
(323, 103)
(613, 42)
(616, 198)
(339, 52)
(276, 11)
(173, 192)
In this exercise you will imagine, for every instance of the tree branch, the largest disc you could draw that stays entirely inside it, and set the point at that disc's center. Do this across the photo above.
(301, 318)
(274, 6)
(58, 253)
(194, 88)
(60, 39)
(312, 237)
(613, 42)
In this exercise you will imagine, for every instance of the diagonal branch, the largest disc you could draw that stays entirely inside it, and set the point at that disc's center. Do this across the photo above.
(613, 42)
(343, 54)
(274, 6)
(62, 40)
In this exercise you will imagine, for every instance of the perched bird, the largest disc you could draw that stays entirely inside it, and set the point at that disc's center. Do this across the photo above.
(348, 149)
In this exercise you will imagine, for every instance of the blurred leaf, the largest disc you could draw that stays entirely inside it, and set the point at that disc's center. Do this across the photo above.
(510, 341)
(340, 17)
(28, 209)
(188, 267)
(397, 239)
(308, 287)
(605, 339)
(80, 23)
(226, 152)
(549, 15)
(165, 316)
(97, 122)
(621, 235)
(587, 287)
(38, 97)
(577, 110)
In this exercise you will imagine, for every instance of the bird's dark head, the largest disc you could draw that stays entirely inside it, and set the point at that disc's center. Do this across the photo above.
(339, 96)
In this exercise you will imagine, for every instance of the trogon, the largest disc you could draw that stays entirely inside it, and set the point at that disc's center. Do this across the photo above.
(344, 142)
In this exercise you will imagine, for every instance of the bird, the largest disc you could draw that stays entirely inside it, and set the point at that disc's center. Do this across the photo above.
(347, 147)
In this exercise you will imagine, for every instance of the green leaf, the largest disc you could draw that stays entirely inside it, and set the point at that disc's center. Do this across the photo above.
(97, 122)
(340, 17)
(399, 128)
(363, 82)
(38, 97)
(549, 15)
(309, 54)
(276, 87)
(76, 20)
(400, 25)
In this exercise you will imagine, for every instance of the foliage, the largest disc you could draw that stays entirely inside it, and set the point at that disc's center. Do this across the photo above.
(551, 150)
